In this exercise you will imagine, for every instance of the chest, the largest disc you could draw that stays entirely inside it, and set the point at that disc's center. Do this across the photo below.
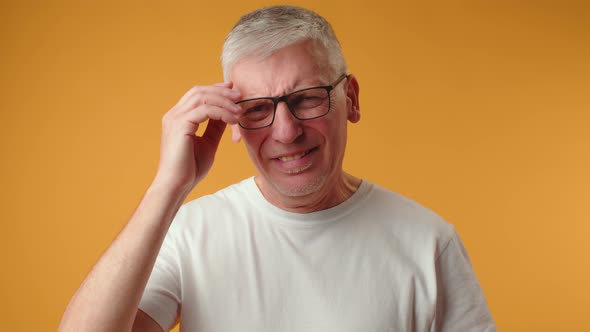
(346, 282)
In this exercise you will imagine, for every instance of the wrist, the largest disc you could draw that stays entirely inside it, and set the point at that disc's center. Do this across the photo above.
(171, 187)
(166, 190)
(161, 202)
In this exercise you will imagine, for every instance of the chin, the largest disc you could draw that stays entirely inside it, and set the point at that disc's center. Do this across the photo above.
(299, 187)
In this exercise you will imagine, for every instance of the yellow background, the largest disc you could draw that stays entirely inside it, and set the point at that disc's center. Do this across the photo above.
(477, 109)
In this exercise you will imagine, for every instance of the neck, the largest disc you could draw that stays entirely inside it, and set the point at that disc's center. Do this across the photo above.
(329, 196)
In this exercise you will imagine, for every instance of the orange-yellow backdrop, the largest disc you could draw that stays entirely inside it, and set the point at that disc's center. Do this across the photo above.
(478, 109)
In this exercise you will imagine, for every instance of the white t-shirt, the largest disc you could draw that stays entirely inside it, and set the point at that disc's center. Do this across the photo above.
(232, 261)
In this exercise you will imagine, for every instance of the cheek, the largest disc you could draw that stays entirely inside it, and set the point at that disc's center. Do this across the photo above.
(253, 141)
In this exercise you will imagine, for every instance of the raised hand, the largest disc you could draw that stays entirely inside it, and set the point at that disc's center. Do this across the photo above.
(185, 159)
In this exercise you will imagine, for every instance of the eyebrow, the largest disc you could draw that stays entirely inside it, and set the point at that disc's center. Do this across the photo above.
(308, 85)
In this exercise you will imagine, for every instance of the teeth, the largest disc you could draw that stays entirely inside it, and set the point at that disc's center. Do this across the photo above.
(294, 157)
(298, 170)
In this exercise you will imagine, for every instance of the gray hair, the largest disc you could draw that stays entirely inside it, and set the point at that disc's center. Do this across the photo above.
(264, 31)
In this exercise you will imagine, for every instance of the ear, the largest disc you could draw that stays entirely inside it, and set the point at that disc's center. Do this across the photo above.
(236, 136)
(352, 99)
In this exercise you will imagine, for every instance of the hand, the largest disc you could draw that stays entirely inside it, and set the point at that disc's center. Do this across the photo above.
(185, 159)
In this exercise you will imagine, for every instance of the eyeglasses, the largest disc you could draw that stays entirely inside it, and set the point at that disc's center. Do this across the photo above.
(304, 104)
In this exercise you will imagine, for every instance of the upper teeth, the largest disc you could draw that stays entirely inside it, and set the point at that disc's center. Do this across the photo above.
(294, 157)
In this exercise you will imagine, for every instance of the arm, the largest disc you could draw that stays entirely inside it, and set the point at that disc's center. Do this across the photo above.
(144, 323)
(108, 298)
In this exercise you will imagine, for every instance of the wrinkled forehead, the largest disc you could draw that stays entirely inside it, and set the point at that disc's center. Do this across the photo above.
(291, 68)
(316, 54)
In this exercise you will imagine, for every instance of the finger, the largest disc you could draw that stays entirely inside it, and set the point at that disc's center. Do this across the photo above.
(188, 123)
(222, 114)
(196, 116)
(211, 99)
(214, 131)
(228, 84)
(210, 90)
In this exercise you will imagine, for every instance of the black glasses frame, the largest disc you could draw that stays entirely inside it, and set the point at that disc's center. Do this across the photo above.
(277, 100)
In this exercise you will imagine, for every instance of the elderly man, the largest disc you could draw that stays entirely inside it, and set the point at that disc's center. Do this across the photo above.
(302, 246)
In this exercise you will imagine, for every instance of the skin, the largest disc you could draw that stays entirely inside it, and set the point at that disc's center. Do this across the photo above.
(316, 181)
(109, 296)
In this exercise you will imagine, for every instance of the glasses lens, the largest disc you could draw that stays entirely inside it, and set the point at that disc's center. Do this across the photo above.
(257, 113)
(310, 103)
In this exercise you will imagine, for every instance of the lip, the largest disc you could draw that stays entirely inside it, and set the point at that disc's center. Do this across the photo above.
(297, 165)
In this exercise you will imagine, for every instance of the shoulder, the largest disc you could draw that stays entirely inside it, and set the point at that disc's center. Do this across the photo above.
(405, 218)
(222, 206)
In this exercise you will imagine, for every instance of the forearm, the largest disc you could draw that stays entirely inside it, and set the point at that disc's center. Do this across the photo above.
(110, 294)
(108, 298)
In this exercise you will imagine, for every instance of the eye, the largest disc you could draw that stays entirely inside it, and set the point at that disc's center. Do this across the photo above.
(308, 99)
(256, 110)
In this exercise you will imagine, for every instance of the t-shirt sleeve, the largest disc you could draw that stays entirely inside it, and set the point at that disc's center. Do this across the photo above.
(162, 296)
(461, 305)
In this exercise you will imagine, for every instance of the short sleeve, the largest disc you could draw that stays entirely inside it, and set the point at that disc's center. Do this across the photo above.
(461, 305)
(162, 296)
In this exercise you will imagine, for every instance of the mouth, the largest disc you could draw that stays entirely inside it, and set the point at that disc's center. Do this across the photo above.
(295, 156)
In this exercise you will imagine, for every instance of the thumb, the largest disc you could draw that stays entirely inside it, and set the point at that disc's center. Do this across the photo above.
(214, 131)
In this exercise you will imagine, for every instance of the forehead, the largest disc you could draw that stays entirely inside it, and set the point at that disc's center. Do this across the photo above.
(296, 66)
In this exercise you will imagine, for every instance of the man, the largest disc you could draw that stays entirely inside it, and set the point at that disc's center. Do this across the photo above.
(302, 246)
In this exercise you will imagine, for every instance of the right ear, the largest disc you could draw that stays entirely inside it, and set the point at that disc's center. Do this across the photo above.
(236, 135)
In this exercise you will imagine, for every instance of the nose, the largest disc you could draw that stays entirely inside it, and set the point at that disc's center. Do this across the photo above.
(286, 128)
